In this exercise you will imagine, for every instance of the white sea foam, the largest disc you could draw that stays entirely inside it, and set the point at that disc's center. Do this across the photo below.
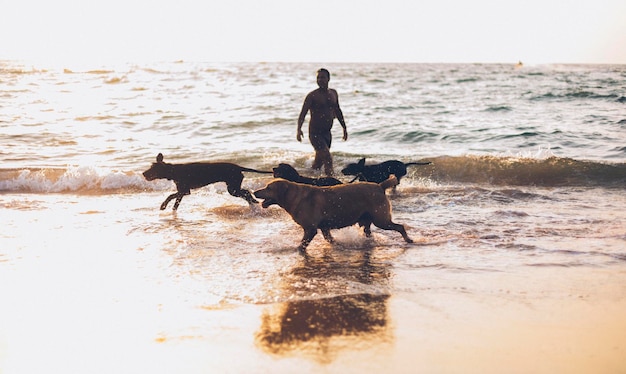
(84, 179)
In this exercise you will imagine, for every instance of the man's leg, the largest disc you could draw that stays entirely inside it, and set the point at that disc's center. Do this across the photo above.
(328, 163)
(321, 144)
(317, 161)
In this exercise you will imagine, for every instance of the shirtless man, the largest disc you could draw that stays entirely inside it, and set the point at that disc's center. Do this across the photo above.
(324, 106)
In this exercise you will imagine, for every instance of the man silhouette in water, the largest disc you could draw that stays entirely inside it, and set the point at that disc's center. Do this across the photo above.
(323, 103)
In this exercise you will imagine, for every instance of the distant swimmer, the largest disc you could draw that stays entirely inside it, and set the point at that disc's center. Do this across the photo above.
(519, 65)
(323, 103)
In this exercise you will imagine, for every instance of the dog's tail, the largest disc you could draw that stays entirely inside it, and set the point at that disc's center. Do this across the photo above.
(392, 181)
(256, 171)
(418, 163)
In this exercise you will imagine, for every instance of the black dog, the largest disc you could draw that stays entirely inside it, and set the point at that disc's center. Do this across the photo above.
(199, 174)
(287, 172)
(378, 173)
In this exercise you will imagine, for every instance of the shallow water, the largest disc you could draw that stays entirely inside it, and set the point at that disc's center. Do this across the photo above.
(112, 283)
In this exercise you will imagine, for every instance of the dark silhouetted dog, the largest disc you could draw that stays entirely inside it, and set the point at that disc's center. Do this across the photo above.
(199, 174)
(378, 173)
(289, 173)
(334, 207)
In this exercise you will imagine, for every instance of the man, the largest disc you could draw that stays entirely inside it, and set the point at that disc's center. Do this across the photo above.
(323, 103)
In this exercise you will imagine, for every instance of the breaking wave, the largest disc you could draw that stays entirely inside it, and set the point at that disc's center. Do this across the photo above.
(475, 170)
(85, 180)
(515, 171)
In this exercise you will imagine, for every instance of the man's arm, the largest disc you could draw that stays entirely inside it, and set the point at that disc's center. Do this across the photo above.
(305, 108)
(339, 115)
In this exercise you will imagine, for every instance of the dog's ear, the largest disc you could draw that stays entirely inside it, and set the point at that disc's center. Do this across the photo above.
(362, 162)
(159, 158)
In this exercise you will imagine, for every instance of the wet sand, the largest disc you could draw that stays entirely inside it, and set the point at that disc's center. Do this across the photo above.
(128, 326)
(82, 292)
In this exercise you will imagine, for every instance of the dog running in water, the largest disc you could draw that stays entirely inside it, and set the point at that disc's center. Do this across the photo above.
(334, 207)
(199, 174)
(378, 173)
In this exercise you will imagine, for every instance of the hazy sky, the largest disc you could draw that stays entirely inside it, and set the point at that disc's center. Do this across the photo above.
(533, 31)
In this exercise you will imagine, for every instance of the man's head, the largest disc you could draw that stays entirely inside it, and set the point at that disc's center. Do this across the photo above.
(323, 77)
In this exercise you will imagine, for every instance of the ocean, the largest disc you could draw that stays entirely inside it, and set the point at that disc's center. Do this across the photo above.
(519, 223)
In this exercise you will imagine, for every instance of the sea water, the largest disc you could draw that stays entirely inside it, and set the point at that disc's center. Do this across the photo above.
(523, 206)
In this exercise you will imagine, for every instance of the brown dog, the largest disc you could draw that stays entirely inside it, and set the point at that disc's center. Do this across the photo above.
(335, 207)
(199, 174)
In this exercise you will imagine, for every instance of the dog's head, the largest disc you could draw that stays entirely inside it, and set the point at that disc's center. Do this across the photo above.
(159, 169)
(273, 193)
(285, 171)
(354, 169)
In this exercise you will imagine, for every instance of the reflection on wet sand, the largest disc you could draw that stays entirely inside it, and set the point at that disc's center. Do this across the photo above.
(320, 325)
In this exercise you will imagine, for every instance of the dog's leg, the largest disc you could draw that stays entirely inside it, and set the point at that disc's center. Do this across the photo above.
(169, 198)
(243, 193)
(181, 193)
(178, 200)
(396, 227)
(329, 238)
(234, 188)
(248, 196)
(309, 234)
(366, 222)
(394, 189)
(367, 228)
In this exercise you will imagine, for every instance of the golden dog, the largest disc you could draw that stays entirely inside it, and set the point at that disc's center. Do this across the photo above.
(335, 207)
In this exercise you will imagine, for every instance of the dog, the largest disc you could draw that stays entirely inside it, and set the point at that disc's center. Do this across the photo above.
(199, 174)
(333, 207)
(289, 173)
(378, 173)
